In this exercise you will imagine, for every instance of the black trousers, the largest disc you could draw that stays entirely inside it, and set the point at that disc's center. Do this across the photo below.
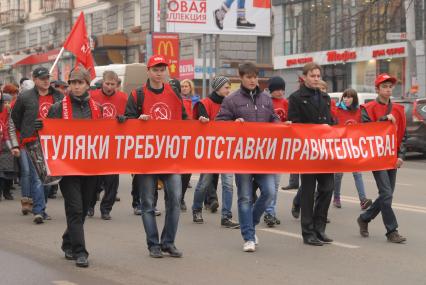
(77, 192)
(313, 218)
(185, 182)
(109, 184)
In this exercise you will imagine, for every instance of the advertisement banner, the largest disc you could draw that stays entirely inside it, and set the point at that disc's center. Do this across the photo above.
(167, 45)
(232, 17)
(186, 69)
(92, 147)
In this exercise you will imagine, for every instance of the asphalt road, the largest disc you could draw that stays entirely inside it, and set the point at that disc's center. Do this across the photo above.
(30, 254)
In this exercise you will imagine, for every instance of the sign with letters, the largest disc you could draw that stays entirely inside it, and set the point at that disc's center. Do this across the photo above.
(96, 147)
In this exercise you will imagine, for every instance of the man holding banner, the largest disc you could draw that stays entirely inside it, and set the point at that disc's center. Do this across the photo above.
(77, 190)
(309, 105)
(157, 100)
(384, 110)
(249, 104)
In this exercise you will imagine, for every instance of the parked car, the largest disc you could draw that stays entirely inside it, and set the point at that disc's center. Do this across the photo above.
(415, 112)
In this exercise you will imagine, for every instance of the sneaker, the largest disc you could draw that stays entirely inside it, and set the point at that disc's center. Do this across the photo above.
(82, 261)
(363, 227)
(38, 219)
(90, 212)
(137, 211)
(25, 206)
(395, 237)
(277, 221)
(218, 16)
(106, 216)
(213, 206)
(269, 220)
(336, 203)
(365, 204)
(183, 206)
(157, 212)
(69, 255)
(197, 217)
(46, 216)
(249, 246)
(155, 252)
(242, 23)
(172, 251)
(230, 224)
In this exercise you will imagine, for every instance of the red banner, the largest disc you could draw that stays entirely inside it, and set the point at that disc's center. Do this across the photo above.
(107, 147)
(167, 45)
(262, 3)
(186, 69)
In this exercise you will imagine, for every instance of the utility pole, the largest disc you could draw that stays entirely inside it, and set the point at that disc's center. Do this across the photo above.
(203, 51)
(424, 48)
(411, 45)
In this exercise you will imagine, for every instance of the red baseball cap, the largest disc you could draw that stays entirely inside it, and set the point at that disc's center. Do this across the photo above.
(157, 60)
(384, 77)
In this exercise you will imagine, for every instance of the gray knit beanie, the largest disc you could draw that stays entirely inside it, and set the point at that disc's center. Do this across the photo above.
(219, 81)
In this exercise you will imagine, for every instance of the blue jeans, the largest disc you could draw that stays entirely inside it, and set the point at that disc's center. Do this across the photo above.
(385, 181)
(25, 174)
(206, 181)
(147, 185)
(241, 3)
(359, 184)
(271, 208)
(37, 190)
(249, 215)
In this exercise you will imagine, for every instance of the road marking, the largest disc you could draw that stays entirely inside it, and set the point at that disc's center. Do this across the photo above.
(355, 200)
(298, 236)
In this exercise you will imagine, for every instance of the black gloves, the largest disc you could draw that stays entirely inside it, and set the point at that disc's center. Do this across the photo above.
(38, 124)
(121, 119)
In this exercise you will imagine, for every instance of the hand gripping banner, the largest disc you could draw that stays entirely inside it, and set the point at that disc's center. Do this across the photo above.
(96, 147)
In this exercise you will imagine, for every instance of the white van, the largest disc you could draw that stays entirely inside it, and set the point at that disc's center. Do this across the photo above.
(362, 97)
(132, 75)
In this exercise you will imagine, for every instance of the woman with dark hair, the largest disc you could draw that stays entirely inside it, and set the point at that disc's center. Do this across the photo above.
(348, 113)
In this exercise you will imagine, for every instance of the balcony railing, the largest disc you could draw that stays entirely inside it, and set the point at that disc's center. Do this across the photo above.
(12, 17)
(56, 6)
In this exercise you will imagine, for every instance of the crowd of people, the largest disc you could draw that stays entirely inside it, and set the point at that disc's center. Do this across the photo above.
(23, 109)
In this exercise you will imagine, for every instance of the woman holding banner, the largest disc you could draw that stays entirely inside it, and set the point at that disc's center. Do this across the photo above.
(76, 190)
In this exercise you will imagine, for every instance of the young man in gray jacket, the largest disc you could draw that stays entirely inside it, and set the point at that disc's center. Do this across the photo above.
(249, 104)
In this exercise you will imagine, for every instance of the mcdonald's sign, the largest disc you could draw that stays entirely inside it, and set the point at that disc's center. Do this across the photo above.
(167, 45)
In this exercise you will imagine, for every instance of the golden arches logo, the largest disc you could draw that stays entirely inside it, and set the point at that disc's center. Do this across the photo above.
(166, 46)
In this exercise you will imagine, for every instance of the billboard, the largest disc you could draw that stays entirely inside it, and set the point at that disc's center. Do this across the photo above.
(167, 45)
(233, 17)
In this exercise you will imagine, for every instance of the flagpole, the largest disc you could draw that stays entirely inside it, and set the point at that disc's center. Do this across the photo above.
(57, 59)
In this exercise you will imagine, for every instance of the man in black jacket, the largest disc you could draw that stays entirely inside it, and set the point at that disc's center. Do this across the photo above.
(76, 190)
(309, 105)
(30, 108)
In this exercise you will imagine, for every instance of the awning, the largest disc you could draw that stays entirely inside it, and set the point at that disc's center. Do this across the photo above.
(7, 61)
(38, 58)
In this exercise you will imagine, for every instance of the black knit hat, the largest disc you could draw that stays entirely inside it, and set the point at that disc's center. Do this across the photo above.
(218, 82)
(276, 83)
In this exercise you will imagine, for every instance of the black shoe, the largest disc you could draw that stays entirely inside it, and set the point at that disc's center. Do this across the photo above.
(90, 212)
(230, 224)
(290, 187)
(172, 251)
(82, 261)
(213, 206)
(242, 23)
(363, 227)
(155, 252)
(183, 206)
(106, 216)
(295, 211)
(46, 216)
(117, 199)
(324, 238)
(312, 240)
(269, 220)
(8, 196)
(69, 255)
(197, 217)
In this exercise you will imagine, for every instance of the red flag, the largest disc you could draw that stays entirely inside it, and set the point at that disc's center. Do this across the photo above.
(78, 43)
(262, 3)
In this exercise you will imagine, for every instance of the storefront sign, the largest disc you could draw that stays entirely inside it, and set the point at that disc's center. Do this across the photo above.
(334, 56)
(186, 69)
(388, 52)
(39, 58)
(298, 61)
(168, 46)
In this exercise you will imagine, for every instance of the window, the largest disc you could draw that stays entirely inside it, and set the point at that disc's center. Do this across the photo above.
(264, 50)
